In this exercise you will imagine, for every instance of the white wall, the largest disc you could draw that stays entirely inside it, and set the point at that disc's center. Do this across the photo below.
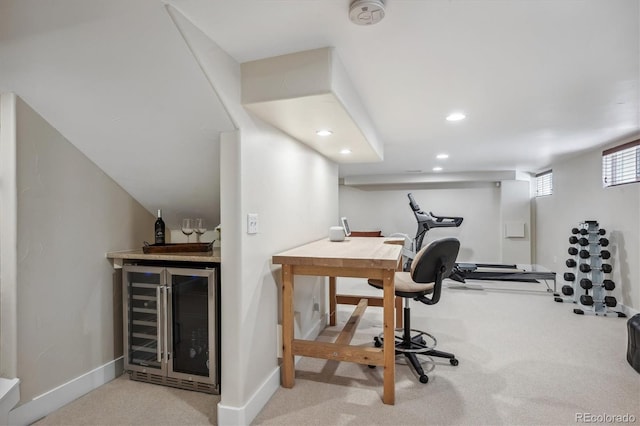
(389, 211)
(515, 212)
(294, 190)
(578, 195)
(70, 214)
(8, 238)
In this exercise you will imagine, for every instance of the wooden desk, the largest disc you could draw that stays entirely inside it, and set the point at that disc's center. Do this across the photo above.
(362, 257)
(119, 258)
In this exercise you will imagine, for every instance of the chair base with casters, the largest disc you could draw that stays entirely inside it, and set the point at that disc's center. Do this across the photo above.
(411, 345)
(430, 266)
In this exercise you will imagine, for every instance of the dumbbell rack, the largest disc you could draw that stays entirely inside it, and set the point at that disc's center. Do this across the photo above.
(589, 287)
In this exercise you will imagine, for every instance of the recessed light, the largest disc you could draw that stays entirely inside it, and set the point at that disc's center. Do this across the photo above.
(456, 116)
(345, 151)
(437, 169)
(442, 156)
(324, 132)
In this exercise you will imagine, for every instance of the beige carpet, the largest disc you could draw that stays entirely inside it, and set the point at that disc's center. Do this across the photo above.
(127, 402)
(524, 359)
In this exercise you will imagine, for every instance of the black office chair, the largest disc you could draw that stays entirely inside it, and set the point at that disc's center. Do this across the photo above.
(431, 265)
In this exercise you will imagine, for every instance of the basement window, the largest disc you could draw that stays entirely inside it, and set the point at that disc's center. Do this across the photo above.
(544, 183)
(621, 164)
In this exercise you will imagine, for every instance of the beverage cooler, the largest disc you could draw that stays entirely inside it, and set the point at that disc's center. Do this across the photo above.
(171, 333)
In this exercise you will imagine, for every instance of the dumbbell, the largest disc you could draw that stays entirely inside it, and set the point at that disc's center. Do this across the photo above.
(573, 239)
(570, 263)
(573, 251)
(587, 284)
(569, 276)
(583, 241)
(586, 300)
(585, 254)
(567, 290)
(585, 231)
(585, 267)
(603, 242)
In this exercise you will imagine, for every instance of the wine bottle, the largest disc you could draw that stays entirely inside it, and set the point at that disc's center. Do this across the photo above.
(159, 228)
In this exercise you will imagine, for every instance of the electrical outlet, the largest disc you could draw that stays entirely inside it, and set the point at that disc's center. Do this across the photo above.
(252, 223)
(316, 305)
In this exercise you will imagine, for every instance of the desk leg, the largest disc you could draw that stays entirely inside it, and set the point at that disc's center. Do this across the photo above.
(399, 312)
(287, 368)
(389, 392)
(332, 300)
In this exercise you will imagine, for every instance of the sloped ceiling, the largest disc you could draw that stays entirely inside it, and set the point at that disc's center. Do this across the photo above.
(117, 80)
(538, 80)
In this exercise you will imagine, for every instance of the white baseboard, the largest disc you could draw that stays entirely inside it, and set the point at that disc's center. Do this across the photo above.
(244, 415)
(320, 325)
(629, 311)
(314, 331)
(54, 399)
(236, 416)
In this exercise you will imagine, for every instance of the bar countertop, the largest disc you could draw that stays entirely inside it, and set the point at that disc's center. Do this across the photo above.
(119, 257)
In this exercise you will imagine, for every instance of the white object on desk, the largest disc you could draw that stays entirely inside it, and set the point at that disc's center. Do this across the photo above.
(336, 233)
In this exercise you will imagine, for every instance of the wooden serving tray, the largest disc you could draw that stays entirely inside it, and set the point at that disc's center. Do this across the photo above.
(178, 248)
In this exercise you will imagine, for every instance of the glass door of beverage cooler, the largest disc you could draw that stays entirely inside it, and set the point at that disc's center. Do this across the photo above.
(192, 324)
(144, 319)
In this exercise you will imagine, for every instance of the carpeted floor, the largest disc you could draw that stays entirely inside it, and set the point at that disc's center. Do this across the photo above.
(127, 402)
(524, 360)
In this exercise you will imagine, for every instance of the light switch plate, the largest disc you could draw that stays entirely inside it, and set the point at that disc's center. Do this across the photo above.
(252, 223)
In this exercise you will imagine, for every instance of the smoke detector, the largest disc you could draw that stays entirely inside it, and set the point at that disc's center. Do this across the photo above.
(366, 12)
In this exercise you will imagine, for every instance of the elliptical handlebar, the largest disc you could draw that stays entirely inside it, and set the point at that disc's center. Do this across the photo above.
(447, 220)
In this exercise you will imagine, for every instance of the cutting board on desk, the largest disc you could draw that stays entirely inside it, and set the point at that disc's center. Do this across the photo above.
(177, 248)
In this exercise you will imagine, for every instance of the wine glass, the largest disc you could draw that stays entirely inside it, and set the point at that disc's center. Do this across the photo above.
(187, 227)
(199, 227)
